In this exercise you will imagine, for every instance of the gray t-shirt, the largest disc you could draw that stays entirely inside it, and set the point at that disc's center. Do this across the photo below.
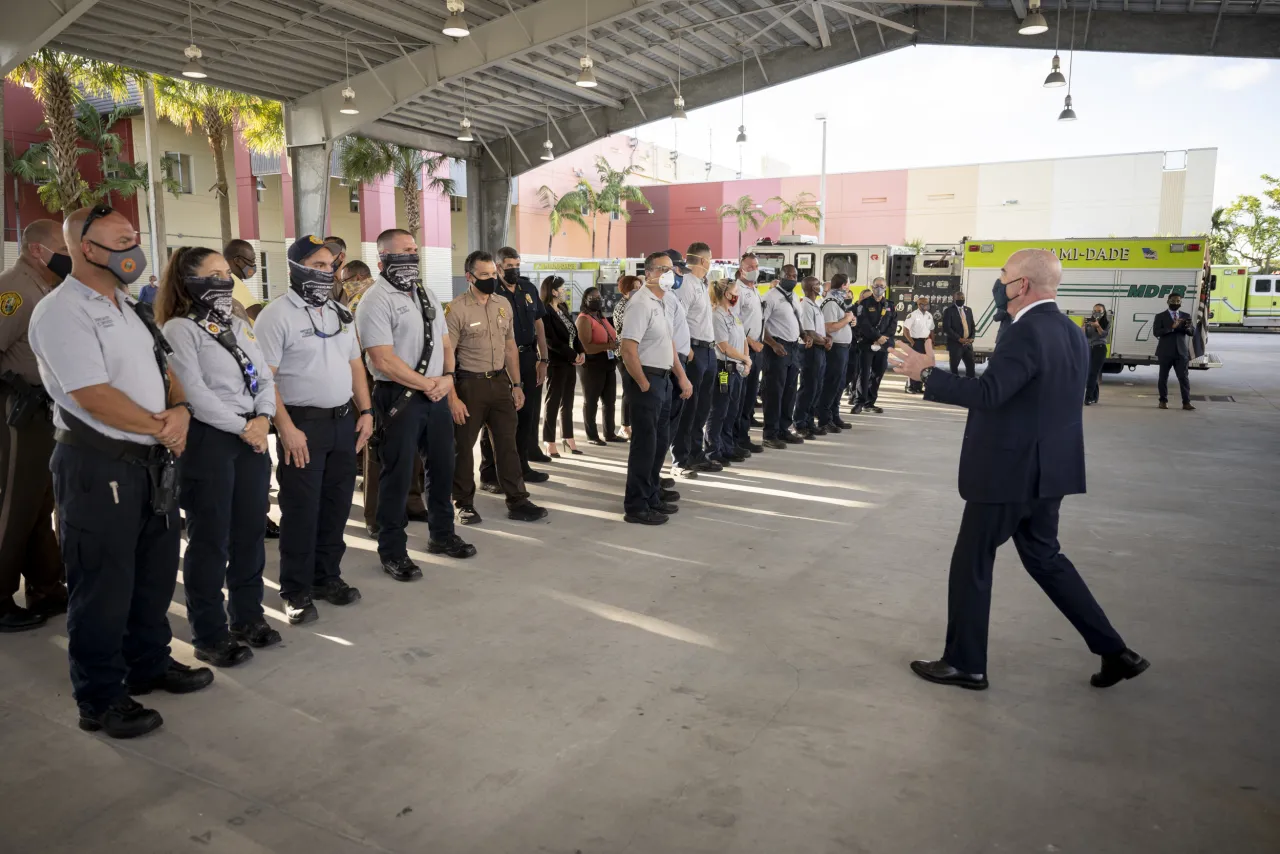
(212, 378)
(388, 316)
(833, 312)
(677, 320)
(310, 370)
(81, 339)
(750, 311)
(648, 326)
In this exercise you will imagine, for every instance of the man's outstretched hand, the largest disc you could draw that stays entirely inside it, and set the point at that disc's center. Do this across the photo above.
(908, 362)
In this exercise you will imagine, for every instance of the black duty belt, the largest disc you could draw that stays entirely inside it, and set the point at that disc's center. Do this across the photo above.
(319, 413)
(698, 343)
(838, 344)
(784, 342)
(524, 348)
(117, 449)
(479, 375)
(656, 372)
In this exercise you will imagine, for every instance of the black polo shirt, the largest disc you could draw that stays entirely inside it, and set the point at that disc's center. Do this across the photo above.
(526, 308)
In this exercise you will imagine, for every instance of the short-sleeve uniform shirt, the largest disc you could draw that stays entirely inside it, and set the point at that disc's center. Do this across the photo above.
(750, 311)
(526, 309)
(480, 332)
(389, 317)
(780, 317)
(692, 294)
(833, 311)
(21, 287)
(82, 339)
(212, 378)
(310, 368)
(648, 326)
(919, 324)
(728, 328)
(678, 320)
(811, 317)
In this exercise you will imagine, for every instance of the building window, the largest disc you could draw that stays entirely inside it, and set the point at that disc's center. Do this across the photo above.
(1175, 161)
(353, 199)
(455, 204)
(262, 271)
(177, 166)
(770, 265)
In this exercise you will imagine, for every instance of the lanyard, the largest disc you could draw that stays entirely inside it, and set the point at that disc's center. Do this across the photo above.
(221, 331)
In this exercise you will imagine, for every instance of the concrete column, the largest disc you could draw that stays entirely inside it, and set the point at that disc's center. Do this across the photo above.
(475, 236)
(310, 188)
(494, 211)
(286, 202)
(155, 170)
(246, 190)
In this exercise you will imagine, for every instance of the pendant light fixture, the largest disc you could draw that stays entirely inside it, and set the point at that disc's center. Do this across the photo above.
(1034, 23)
(1068, 114)
(547, 153)
(742, 128)
(679, 114)
(455, 26)
(586, 77)
(349, 107)
(464, 126)
(193, 67)
(1055, 78)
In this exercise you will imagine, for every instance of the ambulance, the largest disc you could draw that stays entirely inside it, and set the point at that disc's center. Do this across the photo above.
(1132, 277)
(1238, 299)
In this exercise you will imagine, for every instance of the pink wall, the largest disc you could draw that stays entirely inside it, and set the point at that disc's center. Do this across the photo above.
(437, 223)
(760, 190)
(855, 216)
(377, 208)
(246, 190)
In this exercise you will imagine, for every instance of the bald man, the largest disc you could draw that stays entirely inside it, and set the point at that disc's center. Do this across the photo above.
(28, 547)
(1023, 451)
(121, 419)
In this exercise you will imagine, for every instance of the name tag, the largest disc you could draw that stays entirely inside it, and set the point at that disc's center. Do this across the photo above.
(401, 309)
(477, 323)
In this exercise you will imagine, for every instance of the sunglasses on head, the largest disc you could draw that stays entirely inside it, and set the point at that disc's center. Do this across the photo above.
(95, 214)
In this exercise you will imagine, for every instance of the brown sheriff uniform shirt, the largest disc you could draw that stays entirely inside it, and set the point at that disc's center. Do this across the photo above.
(479, 332)
(21, 287)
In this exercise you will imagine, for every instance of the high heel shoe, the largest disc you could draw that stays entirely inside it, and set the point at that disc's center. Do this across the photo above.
(564, 443)
(552, 452)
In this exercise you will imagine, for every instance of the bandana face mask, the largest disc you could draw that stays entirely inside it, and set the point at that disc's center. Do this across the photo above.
(314, 286)
(401, 269)
(210, 292)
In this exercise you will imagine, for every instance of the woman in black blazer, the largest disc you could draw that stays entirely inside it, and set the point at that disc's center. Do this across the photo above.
(565, 352)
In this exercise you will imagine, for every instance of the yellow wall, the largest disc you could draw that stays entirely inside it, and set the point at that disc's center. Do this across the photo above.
(190, 219)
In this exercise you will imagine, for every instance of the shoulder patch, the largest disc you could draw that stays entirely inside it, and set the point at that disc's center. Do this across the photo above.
(447, 306)
(10, 302)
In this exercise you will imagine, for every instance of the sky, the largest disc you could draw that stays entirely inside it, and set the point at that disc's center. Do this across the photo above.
(936, 105)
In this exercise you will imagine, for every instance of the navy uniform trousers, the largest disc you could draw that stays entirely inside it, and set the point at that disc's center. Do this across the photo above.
(722, 425)
(650, 438)
(223, 486)
(686, 440)
(747, 397)
(1033, 525)
(827, 409)
(122, 567)
(780, 373)
(315, 502)
(424, 428)
(814, 362)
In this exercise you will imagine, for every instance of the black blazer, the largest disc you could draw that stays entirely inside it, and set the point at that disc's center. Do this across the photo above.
(560, 349)
(1173, 343)
(952, 326)
(1025, 435)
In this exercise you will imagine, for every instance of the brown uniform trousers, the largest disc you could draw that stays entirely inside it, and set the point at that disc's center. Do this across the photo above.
(28, 545)
(489, 404)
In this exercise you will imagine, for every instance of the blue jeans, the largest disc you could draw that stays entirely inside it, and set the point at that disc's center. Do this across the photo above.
(827, 410)
(814, 360)
(780, 374)
(425, 427)
(650, 437)
(686, 440)
(722, 426)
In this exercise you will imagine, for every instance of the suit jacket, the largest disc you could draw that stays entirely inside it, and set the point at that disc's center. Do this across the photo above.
(563, 345)
(1173, 343)
(953, 327)
(1025, 435)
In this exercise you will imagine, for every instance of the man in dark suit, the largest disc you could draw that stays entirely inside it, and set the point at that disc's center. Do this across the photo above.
(957, 322)
(1174, 329)
(1023, 451)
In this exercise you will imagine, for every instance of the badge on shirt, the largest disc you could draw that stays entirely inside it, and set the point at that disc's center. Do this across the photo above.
(248, 333)
(502, 312)
(10, 302)
(528, 299)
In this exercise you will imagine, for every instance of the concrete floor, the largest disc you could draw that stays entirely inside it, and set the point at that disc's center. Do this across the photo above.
(735, 681)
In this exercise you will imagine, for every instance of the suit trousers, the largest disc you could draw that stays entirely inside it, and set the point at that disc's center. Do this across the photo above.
(747, 398)
(28, 545)
(526, 419)
(561, 380)
(599, 386)
(961, 354)
(919, 346)
(780, 373)
(1097, 356)
(421, 434)
(1033, 525)
(814, 366)
(491, 408)
(223, 487)
(872, 364)
(686, 440)
(314, 504)
(1179, 365)
(122, 567)
(827, 409)
(650, 438)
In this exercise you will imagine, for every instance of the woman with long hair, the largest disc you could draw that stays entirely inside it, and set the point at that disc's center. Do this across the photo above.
(599, 368)
(627, 285)
(565, 352)
(224, 474)
(732, 363)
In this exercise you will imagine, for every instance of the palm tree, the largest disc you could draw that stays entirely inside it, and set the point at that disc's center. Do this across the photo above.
(612, 198)
(560, 209)
(747, 213)
(57, 80)
(1222, 233)
(586, 201)
(218, 112)
(363, 160)
(803, 208)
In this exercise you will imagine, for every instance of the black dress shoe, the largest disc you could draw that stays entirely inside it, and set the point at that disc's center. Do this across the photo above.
(539, 457)
(1188, 407)
(599, 442)
(616, 439)
(829, 428)
(819, 430)
(491, 486)
(273, 530)
(401, 568)
(668, 495)
(534, 476)
(844, 425)
(299, 609)
(453, 546)
(178, 679)
(256, 635)
(667, 482)
(738, 456)
(1164, 405)
(1117, 668)
(48, 605)
(856, 409)
(526, 511)
(754, 447)
(467, 515)
(124, 718)
(793, 439)
(372, 529)
(944, 674)
(802, 433)
(776, 444)
(667, 508)
(708, 465)
(418, 516)
(877, 410)
(335, 591)
(20, 620)
(645, 517)
(227, 652)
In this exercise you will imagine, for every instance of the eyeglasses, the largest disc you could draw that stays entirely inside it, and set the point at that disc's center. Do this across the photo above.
(319, 333)
(97, 213)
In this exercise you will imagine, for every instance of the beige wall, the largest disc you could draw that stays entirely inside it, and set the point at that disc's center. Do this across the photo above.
(942, 201)
(190, 219)
(1014, 202)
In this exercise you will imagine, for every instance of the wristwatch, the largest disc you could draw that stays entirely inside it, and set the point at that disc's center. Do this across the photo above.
(447, 374)
(519, 385)
(366, 411)
(190, 410)
(545, 361)
(924, 376)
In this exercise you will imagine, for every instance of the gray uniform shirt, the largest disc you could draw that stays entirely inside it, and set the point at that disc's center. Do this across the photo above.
(648, 326)
(697, 307)
(729, 331)
(212, 378)
(811, 317)
(388, 316)
(833, 312)
(677, 320)
(80, 339)
(750, 311)
(780, 316)
(309, 370)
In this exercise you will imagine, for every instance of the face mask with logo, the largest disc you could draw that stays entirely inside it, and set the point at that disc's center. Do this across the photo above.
(733, 299)
(667, 280)
(401, 269)
(314, 286)
(485, 286)
(750, 276)
(125, 264)
(511, 276)
(210, 292)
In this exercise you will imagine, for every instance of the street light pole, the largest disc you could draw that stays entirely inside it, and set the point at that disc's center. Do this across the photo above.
(822, 183)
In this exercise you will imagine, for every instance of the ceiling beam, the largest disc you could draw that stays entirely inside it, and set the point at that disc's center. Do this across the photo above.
(859, 13)
(27, 30)
(820, 18)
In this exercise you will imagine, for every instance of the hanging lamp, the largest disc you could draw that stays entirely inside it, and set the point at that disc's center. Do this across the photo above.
(742, 128)
(464, 126)
(1068, 113)
(455, 26)
(586, 77)
(547, 153)
(193, 67)
(1034, 23)
(1055, 78)
(348, 107)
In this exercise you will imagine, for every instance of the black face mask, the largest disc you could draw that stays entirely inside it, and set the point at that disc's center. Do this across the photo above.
(314, 286)
(485, 286)
(511, 276)
(1174, 305)
(210, 292)
(60, 265)
(401, 269)
(959, 301)
(595, 304)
